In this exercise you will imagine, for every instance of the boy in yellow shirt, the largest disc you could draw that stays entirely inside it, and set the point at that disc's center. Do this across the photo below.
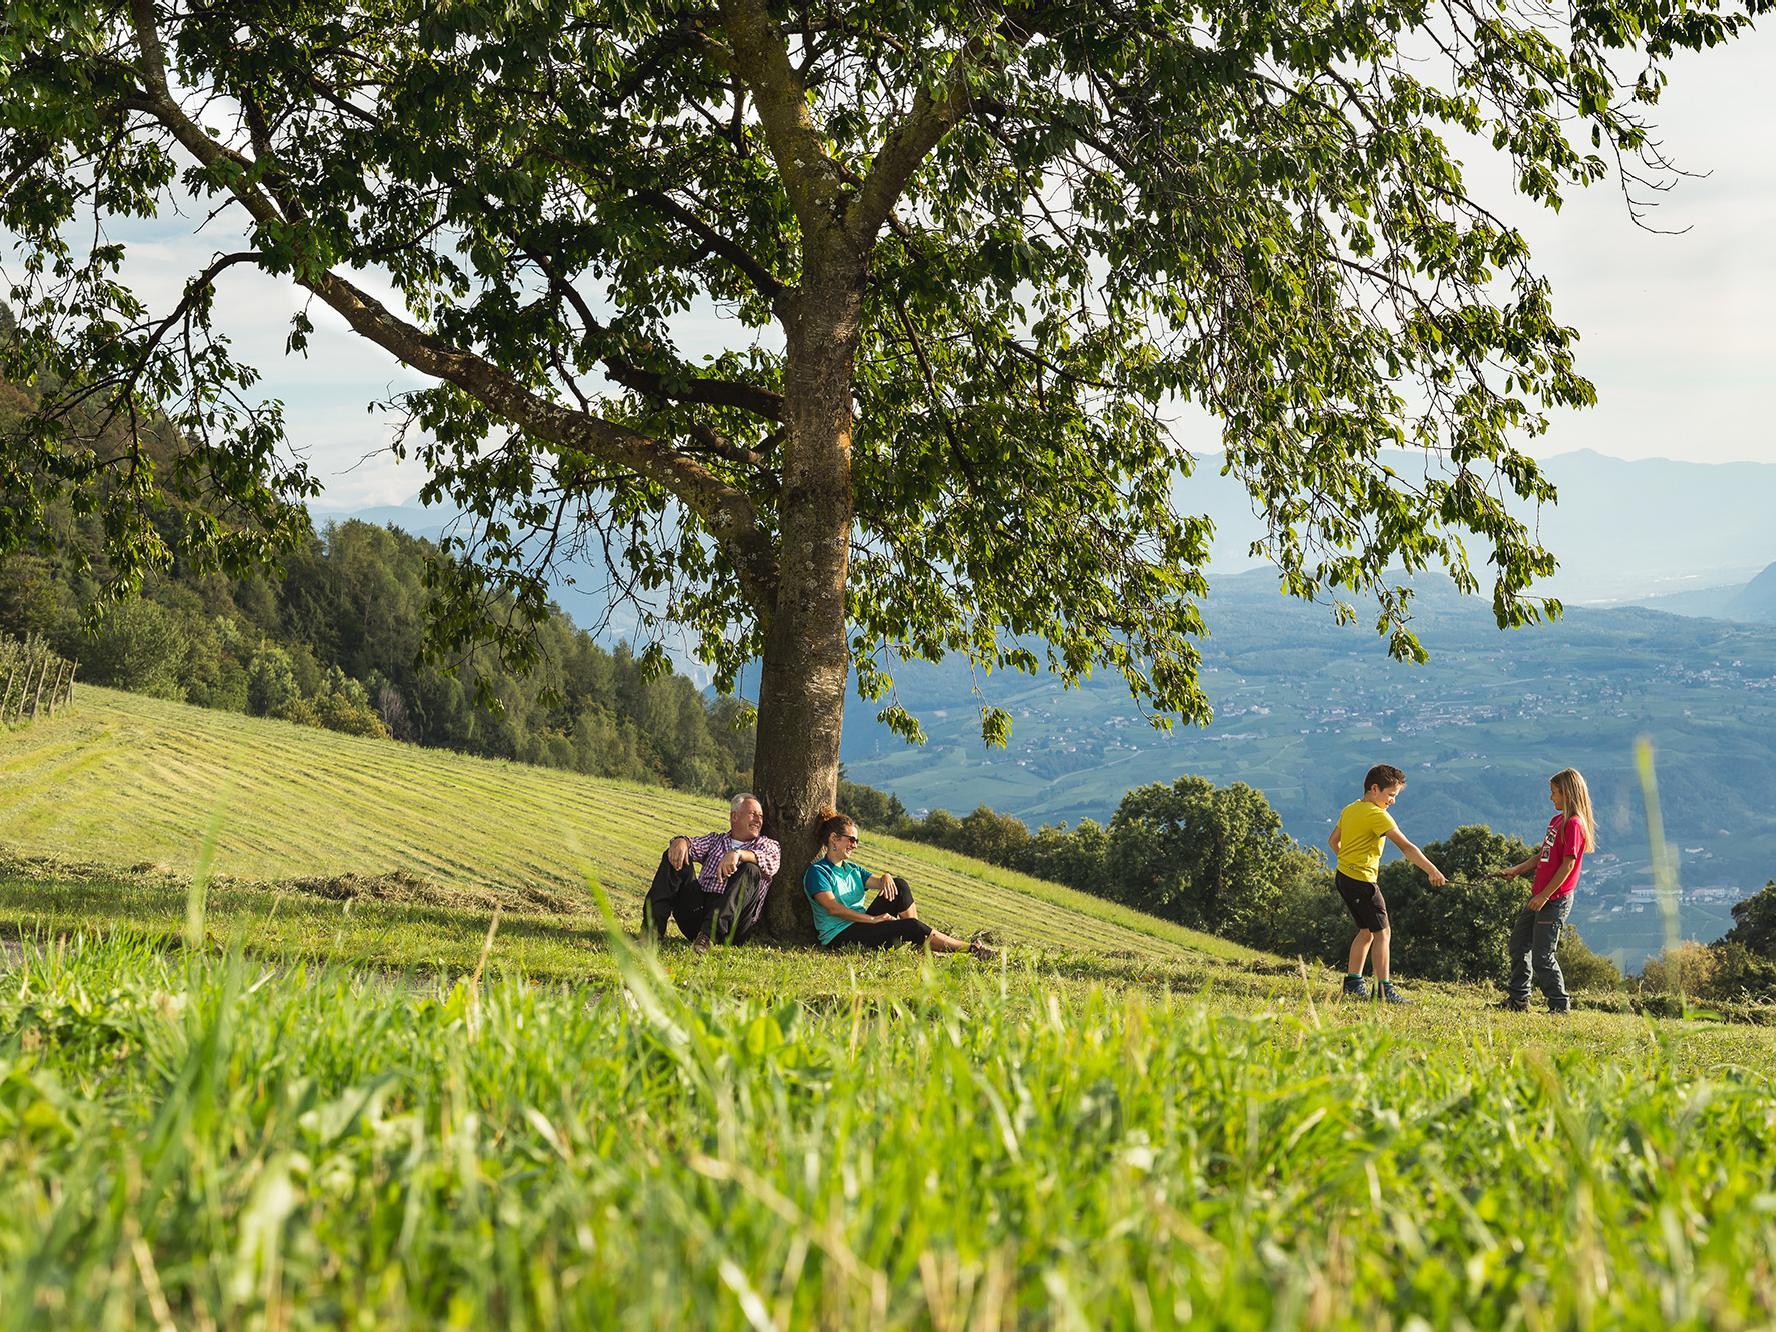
(1356, 842)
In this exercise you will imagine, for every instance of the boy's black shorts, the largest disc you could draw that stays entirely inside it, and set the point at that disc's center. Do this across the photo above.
(1367, 906)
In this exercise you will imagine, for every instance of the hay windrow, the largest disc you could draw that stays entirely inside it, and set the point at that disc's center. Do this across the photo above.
(395, 885)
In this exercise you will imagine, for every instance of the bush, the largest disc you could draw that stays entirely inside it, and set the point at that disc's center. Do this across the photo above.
(879, 811)
(999, 839)
(1459, 931)
(138, 646)
(1741, 975)
(938, 828)
(1754, 923)
(296, 709)
(1584, 969)
(271, 683)
(1076, 858)
(1688, 968)
(1208, 857)
(337, 712)
(1308, 919)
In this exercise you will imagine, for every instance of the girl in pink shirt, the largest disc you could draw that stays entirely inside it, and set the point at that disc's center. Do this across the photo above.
(1571, 833)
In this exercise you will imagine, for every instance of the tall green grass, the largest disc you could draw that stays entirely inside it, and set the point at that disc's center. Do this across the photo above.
(193, 1140)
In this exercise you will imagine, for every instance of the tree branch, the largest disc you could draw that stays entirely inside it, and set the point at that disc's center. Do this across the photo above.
(704, 390)
(725, 510)
(760, 59)
(736, 254)
(932, 117)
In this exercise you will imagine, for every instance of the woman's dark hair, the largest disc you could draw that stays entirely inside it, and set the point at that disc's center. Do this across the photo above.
(831, 821)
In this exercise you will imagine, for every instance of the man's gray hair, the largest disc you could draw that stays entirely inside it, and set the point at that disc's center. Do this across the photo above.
(741, 799)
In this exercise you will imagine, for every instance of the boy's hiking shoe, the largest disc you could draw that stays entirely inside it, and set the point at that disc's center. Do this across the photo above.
(1387, 994)
(1515, 1005)
(1355, 987)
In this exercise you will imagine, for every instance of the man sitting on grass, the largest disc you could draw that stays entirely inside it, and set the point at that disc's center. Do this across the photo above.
(723, 902)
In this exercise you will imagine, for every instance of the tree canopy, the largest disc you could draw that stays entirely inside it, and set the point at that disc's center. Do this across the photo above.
(972, 255)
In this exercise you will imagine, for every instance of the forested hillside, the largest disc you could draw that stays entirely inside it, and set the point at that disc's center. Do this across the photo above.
(333, 638)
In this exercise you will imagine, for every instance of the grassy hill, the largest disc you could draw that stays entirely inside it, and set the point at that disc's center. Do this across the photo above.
(1152, 1129)
(124, 780)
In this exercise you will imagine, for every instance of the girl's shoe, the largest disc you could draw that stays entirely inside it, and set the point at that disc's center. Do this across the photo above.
(1389, 995)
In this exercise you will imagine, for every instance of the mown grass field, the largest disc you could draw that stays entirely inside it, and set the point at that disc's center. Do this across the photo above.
(288, 1110)
(126, 780)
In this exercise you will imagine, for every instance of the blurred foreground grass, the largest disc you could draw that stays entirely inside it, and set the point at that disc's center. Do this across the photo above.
(194, 1139)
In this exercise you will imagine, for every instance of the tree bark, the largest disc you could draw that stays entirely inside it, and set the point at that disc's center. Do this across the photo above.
(807, 651)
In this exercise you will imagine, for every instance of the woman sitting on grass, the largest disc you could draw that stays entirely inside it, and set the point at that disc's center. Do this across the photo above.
(836, 885)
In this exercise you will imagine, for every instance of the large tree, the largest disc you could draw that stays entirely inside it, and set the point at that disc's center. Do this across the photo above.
(972, 255)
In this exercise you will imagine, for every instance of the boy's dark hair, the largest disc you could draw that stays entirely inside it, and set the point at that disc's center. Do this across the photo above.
(1384, 775)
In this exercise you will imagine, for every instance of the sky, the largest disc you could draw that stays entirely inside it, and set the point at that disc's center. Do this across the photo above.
(1677, 331)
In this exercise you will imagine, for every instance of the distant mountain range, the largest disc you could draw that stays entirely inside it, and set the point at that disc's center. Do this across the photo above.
(1623, 531)
(1628, 530)
(1746, 603)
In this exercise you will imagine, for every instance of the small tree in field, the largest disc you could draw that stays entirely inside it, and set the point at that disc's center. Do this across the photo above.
(1214, 858)
(1458, 931)
(972, 254)
(1754, 923)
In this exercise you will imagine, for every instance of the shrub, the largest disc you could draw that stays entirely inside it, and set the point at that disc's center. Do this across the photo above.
(1754, 923)
(1741, 975)
(1584, 969)
(296, 709)
(337, 712)
(879, 811)
(1076, 858)
(1458, 931)
(138, 646)
(271, 683)
(1205, 856)
(1688, 968)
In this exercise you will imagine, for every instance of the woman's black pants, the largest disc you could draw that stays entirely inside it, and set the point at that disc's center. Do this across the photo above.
(891, 929)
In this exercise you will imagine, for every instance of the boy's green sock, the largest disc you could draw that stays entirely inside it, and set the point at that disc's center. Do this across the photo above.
(1353, 975)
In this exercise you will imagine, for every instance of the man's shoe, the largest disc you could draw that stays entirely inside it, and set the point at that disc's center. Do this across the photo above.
(1355, 987)
(1515, 1005)
(1389, 995)
(700, 944)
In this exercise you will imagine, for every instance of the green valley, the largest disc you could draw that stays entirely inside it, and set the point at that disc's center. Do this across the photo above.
(1303, 708)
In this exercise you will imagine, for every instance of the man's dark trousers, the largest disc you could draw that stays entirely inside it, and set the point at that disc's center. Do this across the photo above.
(726, 917)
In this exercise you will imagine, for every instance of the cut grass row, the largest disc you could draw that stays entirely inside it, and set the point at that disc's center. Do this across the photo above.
(126, 780)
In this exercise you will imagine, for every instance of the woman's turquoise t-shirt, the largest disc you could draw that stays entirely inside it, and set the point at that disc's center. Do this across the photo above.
(845, 882)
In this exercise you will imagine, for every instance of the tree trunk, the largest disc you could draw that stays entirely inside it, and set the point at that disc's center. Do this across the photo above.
(807, 650)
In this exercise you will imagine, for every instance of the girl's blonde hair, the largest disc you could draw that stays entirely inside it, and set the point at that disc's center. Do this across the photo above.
(1575, 799)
